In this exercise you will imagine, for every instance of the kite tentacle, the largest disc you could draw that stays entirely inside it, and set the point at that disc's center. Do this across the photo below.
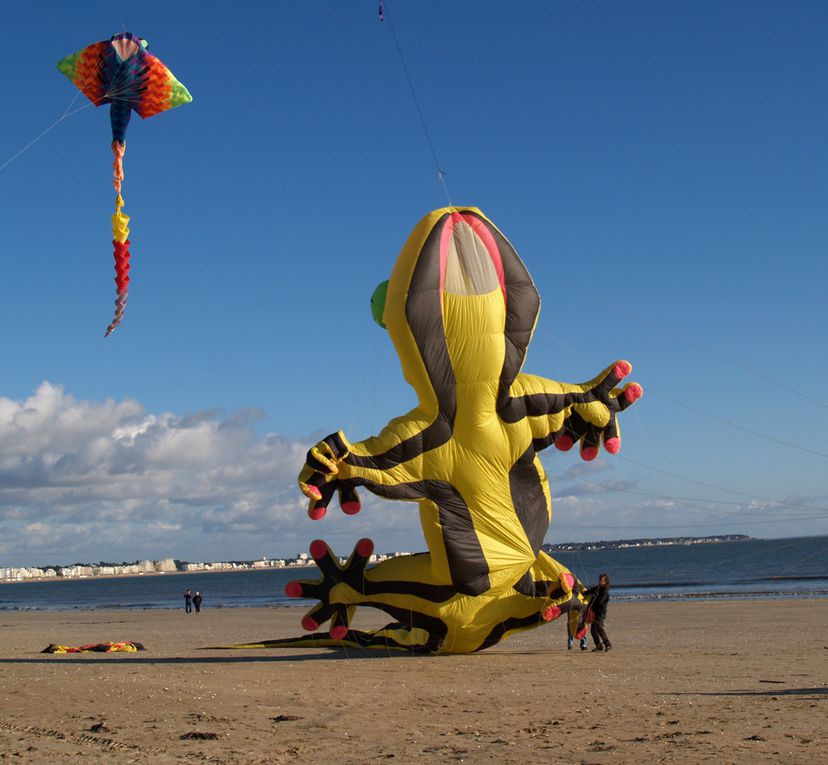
(118, 149)
(120, 241)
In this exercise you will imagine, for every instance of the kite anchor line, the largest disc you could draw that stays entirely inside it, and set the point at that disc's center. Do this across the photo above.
(66, 114)
(441, 174)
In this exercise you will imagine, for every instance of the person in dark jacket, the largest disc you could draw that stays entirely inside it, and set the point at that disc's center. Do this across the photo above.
(197, 602)
(598, 600)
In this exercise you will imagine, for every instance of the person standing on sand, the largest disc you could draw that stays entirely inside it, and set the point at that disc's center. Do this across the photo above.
(188, 601)
(197, 602)
(598, 598)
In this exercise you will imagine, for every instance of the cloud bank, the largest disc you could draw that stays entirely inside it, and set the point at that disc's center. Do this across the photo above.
(106, 480)
(84, 481)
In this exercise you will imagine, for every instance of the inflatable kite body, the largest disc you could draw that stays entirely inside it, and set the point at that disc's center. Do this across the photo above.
(121, 73)
(460, 308)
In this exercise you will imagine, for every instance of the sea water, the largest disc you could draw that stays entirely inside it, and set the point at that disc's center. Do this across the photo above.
(767, 568)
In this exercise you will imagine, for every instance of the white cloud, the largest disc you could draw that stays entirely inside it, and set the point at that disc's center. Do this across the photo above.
(107, 480)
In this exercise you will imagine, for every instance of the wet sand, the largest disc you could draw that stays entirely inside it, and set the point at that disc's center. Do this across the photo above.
(690, 682)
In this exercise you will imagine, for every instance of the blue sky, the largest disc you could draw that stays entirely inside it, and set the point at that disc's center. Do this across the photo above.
(662, 168)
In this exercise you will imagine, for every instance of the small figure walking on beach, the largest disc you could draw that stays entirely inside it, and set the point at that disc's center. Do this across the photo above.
(197, 602)
(188, 602)
(598, 598)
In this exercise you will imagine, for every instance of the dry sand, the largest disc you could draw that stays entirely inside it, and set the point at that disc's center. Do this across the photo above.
(742, 682)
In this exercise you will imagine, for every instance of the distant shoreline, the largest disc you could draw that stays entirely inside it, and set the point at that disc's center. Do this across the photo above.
(302, 563)
(623, 544)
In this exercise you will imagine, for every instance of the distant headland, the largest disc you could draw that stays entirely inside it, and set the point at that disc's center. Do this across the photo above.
(620, 544)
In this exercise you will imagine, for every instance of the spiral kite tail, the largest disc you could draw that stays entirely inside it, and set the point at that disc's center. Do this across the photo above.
(120, 241)
(118, 149)
(120, 307)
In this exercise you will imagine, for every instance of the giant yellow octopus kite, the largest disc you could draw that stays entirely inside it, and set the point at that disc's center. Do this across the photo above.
(460, 308)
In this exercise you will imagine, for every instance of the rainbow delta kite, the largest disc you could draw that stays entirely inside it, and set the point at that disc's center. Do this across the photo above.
(121, 73)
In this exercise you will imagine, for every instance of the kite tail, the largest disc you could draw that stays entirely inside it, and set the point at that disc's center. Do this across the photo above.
(118, 149)
(120, 232)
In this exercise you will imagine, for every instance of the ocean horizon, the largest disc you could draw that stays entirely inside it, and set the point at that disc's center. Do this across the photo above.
(753, 568)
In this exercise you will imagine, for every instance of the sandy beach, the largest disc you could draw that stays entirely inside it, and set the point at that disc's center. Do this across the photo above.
(737, 682)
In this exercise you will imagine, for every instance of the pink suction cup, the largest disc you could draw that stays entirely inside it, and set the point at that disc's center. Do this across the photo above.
(293, 590)
(589, 453)
(633, 392)
(613, 445)
(564, 443)
(365, 548)
(318, 549)
(317, 513)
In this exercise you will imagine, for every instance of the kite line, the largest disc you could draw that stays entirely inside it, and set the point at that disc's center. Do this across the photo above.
(441, 174)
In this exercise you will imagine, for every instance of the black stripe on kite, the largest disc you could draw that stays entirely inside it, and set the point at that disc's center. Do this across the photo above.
(467, 563)
(528, 499)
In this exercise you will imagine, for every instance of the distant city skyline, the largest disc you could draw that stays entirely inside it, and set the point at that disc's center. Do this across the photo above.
(161, 566)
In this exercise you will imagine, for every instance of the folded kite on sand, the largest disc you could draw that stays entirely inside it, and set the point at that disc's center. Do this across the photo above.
(126, 647)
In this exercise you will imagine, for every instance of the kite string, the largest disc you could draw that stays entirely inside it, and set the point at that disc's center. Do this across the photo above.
(713, 486)
(698, 410)
(740, 427)
(71, 103)
(781, 506)
(116, 14)
(67, 112)
(722, 357)
(31, 143)
(441, 174)
(776, 507)
(366, 397)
